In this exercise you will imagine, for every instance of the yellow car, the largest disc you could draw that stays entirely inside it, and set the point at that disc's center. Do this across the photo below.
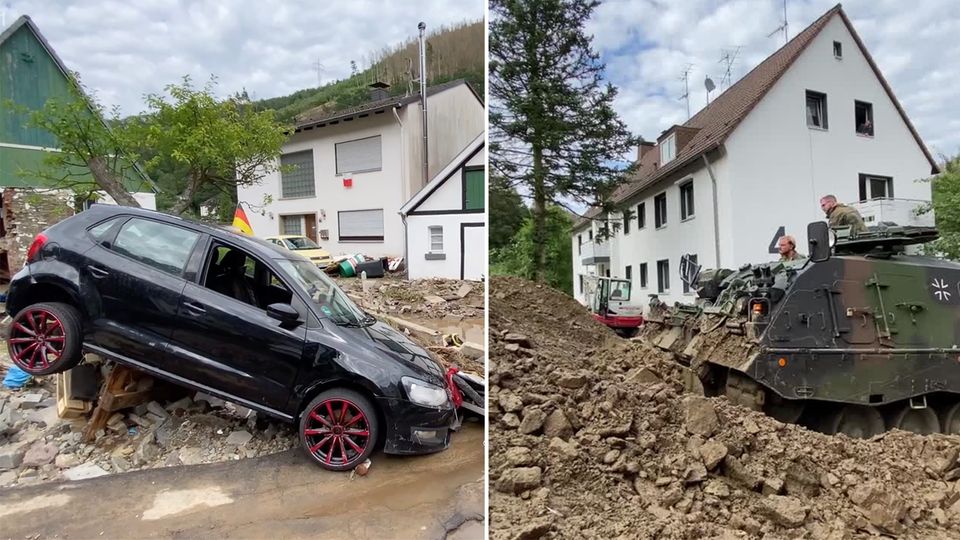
(303, 246)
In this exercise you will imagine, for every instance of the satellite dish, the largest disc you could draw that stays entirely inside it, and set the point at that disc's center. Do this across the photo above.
(708, 83)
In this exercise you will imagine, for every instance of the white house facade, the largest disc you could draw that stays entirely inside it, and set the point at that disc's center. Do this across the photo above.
(349, 172)
(815, 118)
(445, 221)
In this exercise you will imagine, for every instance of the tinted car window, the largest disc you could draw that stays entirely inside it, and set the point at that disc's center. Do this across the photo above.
(164, 247)
(99, 232)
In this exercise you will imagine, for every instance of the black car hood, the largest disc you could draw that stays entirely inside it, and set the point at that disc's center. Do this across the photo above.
(388, 341)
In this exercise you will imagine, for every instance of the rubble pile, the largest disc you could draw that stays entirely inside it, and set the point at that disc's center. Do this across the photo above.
(38, 446)
(593, 437)
(449, 299)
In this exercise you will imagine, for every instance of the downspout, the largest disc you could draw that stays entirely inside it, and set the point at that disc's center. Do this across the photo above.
(423, 100)
(404, 181)
(716, 212)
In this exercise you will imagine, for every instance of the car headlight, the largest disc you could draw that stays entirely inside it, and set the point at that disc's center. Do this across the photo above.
(423, 393)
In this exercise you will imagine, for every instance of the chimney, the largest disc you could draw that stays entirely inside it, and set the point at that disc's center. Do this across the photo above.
(379, 90)
(645, 146)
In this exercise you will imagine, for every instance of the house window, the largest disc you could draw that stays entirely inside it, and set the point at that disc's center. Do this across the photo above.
(875, 187)
(361, 225)
(291, 224)
(628, 273)
(660, 210)
(436, 239)
(643, 275)
(626, 222)
(686, 200)
(581, 283)
(590, 235)
(579, 244)
(641, 215)
(686, 286)
(668, 149)
(863, 117)
(296, 177)
(663, 275)
(816, 109)
(361, 155)
(837, 49)
(474, 188)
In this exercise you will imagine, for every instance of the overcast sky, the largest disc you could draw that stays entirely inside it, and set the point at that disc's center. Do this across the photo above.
(125, 49)
(647, 43)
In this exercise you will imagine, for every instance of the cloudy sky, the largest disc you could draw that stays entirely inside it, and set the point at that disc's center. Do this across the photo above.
(125, 49)
(648, 43)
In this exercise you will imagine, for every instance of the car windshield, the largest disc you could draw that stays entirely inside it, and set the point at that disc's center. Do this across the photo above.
(333, 302)
(302, 242)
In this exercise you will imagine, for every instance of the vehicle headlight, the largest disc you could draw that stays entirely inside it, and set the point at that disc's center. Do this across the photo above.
(423, 393)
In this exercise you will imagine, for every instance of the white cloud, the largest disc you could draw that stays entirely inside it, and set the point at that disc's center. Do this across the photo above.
(647, 43)
(124, 50)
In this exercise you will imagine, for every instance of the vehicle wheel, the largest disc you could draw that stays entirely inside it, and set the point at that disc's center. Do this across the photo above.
(950, 419)
(855, 421)
(921, 421)
(339, 429)
(45, 338)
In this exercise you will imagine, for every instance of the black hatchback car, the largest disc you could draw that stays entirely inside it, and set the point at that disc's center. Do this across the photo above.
(233, 316)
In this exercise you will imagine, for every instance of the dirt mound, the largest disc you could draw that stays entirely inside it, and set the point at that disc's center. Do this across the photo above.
(591, 436)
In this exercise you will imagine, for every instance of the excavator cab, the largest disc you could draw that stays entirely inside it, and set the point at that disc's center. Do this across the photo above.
(611, 302)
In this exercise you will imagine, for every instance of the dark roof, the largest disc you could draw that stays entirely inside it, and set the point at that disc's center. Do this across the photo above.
(715, 122)
(25, 20)
(319, 116)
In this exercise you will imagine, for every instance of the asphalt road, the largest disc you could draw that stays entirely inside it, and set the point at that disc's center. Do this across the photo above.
(276, 497)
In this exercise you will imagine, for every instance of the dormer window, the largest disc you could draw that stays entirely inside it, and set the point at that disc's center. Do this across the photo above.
(668, 149)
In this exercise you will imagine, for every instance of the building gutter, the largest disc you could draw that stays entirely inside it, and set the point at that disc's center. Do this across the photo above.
(716, 213)
(404, 181)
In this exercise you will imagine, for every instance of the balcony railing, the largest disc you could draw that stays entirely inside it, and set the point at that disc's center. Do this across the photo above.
(899, 211)
(593, 253)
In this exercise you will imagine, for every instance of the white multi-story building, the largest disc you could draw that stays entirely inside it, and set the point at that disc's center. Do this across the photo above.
(815, 118)
(348, 172)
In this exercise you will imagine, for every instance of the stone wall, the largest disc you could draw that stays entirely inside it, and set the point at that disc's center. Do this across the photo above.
(25, 214)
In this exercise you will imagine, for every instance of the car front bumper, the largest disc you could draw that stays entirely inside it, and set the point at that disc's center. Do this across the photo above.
(415, 429)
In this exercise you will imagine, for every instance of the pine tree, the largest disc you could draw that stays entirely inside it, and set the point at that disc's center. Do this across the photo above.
(554, 133)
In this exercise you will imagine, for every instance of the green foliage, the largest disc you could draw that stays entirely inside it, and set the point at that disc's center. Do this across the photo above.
(946, 207)
(507, 213)
(553, 129)
(517, 258)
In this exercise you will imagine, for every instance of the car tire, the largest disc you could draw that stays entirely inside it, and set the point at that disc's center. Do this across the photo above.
(339, 429)
(52, 329)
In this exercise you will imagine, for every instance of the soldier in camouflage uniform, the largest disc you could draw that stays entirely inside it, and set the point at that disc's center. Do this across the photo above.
(841, 215)
(787, 246)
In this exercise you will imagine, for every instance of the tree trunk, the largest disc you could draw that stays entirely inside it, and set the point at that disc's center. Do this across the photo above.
(539, 216)
(109, 182)
(186, 198)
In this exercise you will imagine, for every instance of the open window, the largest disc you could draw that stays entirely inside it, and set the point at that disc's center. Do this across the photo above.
(237, 274)
(816, 110)
(863, 116)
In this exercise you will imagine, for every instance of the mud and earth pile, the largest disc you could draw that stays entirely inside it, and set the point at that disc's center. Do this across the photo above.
(450, 299)
(592, 436)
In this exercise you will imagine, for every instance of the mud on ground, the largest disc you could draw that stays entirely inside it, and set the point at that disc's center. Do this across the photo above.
(592, 436)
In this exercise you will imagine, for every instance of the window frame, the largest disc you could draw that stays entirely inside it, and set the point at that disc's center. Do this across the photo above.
(657, 222)
(838, 50)
(114, 235)
(626, 223)
(642, 215)
(866, 186)
(336, 156)
(670, 145)
(628, 273)
(686, 288)
(300, 229)
(643, 275)
(821, 98)
(372, 239)
(687, 213)
(663, 276)
(313, 176)
(868, 107)
(430, 237)
(464, 190)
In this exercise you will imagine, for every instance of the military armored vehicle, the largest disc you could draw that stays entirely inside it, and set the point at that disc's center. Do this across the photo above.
(859, 338)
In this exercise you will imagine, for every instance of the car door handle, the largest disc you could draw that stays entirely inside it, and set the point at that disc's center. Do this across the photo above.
(97, 272)
(194, 307)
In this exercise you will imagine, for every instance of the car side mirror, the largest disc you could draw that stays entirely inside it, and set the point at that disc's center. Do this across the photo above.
(818, 239)
(283, 313)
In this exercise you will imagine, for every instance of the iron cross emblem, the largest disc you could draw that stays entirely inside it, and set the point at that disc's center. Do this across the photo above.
(940, 290)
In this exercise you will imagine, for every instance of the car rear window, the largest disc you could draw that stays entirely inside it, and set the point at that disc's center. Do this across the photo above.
(164, 247)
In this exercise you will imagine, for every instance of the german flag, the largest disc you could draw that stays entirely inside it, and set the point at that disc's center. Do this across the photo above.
(241, 222)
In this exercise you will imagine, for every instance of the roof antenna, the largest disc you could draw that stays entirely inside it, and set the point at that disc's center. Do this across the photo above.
(685, 77)
(783, 25)
(729, 58)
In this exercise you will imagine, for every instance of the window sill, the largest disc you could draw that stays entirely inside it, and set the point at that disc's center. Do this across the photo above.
(688, 218)
(815, 128)
(351, 173)
(360, 240)
(864, 135)
(314, 196)
(664, 226)
(435, 256)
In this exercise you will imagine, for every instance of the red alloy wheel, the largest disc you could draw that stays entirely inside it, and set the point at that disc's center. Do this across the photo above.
(37, 339)
(337, 432)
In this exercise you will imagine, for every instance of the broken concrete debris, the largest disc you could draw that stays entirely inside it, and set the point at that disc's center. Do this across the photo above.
(628, 454)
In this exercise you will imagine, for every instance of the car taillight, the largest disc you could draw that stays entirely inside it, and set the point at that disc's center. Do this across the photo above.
(35, 247)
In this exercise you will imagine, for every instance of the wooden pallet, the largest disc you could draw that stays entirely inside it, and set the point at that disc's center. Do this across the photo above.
(68, 407)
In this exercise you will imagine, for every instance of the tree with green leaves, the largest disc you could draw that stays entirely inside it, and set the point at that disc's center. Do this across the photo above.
(946, 208)
(554, 132)
(507, 213)
(517, 258)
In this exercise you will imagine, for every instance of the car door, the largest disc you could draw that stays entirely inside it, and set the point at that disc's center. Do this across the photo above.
(137, 268)
(232, 345)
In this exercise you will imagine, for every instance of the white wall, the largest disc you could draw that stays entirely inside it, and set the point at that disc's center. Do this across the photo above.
(147, 200)
(371, 190)
(780, 168)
